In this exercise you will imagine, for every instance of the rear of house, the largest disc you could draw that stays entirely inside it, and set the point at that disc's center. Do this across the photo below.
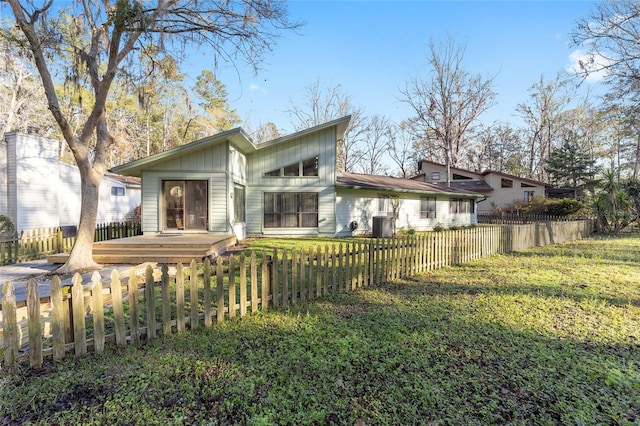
(227, 184)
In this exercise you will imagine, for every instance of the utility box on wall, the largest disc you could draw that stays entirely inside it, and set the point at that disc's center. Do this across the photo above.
(382, 227)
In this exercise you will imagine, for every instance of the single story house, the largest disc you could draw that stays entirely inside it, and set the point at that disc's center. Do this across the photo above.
(500, 189)
(227, 184)
(37, 190)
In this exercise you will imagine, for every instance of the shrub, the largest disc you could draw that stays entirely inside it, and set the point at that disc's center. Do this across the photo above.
(7, 228)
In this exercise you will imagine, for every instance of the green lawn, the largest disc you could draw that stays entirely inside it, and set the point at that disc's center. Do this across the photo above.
(546, 336)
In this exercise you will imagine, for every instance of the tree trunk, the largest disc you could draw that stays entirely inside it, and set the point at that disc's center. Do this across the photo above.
(81, 256)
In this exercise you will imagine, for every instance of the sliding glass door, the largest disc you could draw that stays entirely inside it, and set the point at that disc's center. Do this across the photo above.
(185, 204)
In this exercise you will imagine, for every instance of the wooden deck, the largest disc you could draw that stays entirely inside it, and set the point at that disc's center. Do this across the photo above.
(160, 248)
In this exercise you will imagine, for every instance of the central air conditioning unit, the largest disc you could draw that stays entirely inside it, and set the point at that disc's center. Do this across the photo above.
(382, 226)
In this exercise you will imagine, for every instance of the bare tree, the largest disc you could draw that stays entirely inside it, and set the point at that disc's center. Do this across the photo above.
(542, 117)
(401, 150)
(610, 36)
(22, 106)
(90, 41)
(322, 104)
(266, 132)
(448, 102)
(375, 146)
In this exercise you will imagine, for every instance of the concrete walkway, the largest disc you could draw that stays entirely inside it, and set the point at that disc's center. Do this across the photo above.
(20, 273)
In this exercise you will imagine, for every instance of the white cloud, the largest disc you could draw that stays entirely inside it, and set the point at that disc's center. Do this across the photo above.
(257, 88)
(582, 61)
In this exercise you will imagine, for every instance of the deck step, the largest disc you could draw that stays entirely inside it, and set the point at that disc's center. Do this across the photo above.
(136, 250)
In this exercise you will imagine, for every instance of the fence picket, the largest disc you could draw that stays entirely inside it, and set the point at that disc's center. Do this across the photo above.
(220, 290)
(206, 296)
(57, 319)
(166, 300)
(35, 330)
(134, 313)
(150, 303)
(79, 325)
(193, 293)
(254, 281)
(118, 310)
(181, 323)
(232, 286)
(243, 285)
(98, 312)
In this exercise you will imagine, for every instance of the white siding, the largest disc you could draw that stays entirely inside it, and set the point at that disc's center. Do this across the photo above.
(4, 180)
(362, 205)
(37, 188)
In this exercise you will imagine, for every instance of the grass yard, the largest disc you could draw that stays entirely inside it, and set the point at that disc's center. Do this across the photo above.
(544, 337)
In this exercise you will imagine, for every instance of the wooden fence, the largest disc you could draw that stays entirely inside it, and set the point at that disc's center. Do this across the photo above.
(39, 243)
(519, 219)
(146, 303)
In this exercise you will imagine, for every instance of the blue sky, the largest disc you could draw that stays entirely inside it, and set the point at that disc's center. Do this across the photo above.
(371, 48)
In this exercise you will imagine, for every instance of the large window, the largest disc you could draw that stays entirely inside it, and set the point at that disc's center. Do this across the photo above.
(308, 167)
(427, 207)
(290, 210)
(239, 212)
(462, 205)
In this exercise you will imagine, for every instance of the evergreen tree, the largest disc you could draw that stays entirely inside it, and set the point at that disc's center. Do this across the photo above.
(570, 166)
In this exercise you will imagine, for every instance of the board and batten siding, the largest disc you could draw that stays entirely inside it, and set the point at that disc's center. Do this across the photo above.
(269, 157)
(362, 205)
(152, 212)
(209, 164)
(326, 211)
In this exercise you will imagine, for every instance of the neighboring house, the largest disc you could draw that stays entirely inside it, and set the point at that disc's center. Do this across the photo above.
(39, 191)
(500, 189)
(288, 186)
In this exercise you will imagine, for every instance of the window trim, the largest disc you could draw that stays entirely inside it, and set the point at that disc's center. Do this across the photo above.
(428, 213)
(117, 191)
(277, 209)
(236, 188)
(300, 165)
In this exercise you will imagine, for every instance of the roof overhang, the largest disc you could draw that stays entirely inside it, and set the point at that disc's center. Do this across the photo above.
(236, 136)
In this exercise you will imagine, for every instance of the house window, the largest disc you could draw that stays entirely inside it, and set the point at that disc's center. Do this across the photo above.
(427, 207)
(526, 185)
(290, 209)
(462, 205)
(528, 195)
(435, 175)
(384, 206)
(239, 211)
(506, 183)
(308, 167)
(460, 177)
(117, 191)
(291, 170)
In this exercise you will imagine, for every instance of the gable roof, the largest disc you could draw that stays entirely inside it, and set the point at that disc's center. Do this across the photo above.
(393, 184)
(487, 172)
(238, 137)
